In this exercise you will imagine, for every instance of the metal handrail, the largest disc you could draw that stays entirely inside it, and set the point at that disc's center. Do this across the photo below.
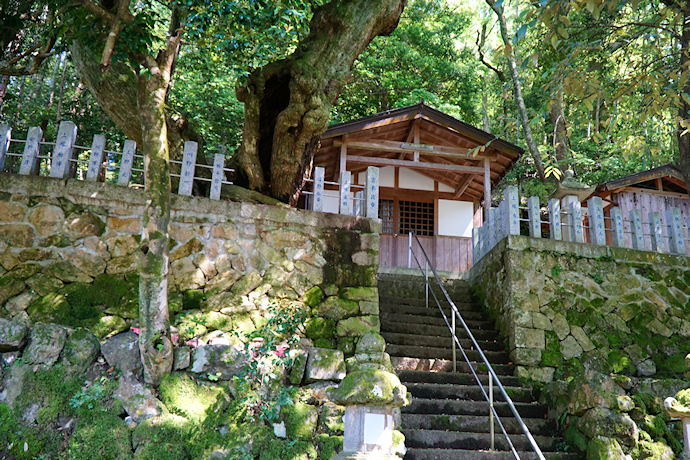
(493, 377)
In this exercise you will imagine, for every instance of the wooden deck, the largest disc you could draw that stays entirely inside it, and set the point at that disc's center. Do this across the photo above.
(447, 253)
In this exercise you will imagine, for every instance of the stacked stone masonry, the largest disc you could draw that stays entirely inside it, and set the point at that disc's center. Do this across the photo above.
(604, 331)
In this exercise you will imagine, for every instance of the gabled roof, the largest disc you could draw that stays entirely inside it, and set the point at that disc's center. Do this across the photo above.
(374, 137)
(670, 174)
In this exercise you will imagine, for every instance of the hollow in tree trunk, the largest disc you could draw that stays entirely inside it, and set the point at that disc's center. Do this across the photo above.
(288, 102)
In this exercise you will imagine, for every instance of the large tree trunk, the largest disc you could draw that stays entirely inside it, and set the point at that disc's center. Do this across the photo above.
(116, 93)
(560, 132)
(684, 111)
(288, 102)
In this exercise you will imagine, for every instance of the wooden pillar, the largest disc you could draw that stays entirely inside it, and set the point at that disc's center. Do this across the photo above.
(5, 138)
(487, 188)
(343, 156)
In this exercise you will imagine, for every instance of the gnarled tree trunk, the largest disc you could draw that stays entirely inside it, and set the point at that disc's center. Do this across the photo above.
(684, 111)
(288, 102)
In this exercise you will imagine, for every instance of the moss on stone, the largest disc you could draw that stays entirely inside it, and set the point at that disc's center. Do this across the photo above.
(185, 396)
(551, 358)
(569, 369)
(106, 437)
(192, 299)
(313, 296)
(575, 438)
(289, 450)
(620, 363)
(328, 446)
(300, 420)
(319, 328)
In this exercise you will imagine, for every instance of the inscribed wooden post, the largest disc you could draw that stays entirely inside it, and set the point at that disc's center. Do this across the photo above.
(674, 224)
(317, 197)
(64, 148)
(487, 186)
(617, 227)
(636, 229)
(372, 193)
(345, 181)
(127, 162)
(188, 168)
(656, 232)
(30, 151)
(5, 138)
(595, 211)
(96, 157)
(512, 209)
(555, 231)
(217, 175)
(534, 217)
(575, 221)
(502, 227)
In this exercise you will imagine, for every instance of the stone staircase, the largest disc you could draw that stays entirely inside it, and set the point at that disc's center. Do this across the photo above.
(448, 416)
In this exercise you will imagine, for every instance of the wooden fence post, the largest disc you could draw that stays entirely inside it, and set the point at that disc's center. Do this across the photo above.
(127, 162)
(371, 193)
(575, 221)
(217, 175)
(674, 224)
(64, 149)
(96, 157)
(636, 230)
(595, 210)
(188, 168)
(345, 181)
(534, 217)
(555, 230)
(5, 138)
(656, 232)
(617, 227)
(33, 138)
(512, 210)
(317, 197)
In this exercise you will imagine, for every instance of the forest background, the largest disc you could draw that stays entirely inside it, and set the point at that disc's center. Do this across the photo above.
(602, 81)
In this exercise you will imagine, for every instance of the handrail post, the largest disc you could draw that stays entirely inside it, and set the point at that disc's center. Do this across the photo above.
(491, 409)
(426, 281)
(409, 252)
(455, 361)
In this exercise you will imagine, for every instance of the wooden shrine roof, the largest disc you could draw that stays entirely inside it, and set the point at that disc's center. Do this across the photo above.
(667, 178)
(444, 145)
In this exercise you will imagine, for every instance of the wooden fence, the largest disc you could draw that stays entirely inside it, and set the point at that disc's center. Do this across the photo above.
(352, 200)
(64, 159)
(654, 232)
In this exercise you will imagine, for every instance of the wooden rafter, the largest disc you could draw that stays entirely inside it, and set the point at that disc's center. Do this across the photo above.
(405, 147)
(462, 186)
(415, 164)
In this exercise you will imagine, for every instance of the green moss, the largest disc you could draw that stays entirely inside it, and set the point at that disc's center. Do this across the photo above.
(105, 437)
(192, 299)
(552, 342)
(318, 328)
(324, 343)
(328, 446)
(14, 436)
(620, 363)
(163, 429)
(300, 420)
(185, 396)
(569, 370)
(313, 296)
(551, 358)
(575, 438)
(288, 450)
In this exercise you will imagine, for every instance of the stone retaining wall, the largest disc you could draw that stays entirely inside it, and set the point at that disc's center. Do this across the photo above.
(578, 318)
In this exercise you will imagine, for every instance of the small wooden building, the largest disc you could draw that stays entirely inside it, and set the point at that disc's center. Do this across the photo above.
(435, 173)
(654, 190)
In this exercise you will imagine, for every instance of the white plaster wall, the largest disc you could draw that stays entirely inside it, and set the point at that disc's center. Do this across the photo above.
(413, 180)
(331, 201)
(455, 218)
(445, 188)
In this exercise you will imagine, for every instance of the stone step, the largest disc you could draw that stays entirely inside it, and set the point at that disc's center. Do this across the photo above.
(407, 363)
(460, 304)
(439, 439)
(452, 378)
(431, 311)
(475, 424)
(494, 357)
(434, 331)
(394, 338)
(466, 392)
(455, 407)
(434, 320)
(463, 454)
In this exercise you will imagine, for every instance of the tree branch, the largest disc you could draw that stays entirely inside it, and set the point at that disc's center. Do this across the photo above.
(480, 43)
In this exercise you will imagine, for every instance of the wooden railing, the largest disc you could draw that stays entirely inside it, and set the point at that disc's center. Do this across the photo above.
(665, 234)
(65, 159)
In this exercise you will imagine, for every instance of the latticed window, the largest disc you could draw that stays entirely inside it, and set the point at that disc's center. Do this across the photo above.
(386, 213)
(417, 216)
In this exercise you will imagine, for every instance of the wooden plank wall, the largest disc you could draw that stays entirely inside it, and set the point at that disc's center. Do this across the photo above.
(447, 253)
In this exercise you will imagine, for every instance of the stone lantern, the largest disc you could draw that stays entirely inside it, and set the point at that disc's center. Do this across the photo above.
(679, 407)
(371, 393)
